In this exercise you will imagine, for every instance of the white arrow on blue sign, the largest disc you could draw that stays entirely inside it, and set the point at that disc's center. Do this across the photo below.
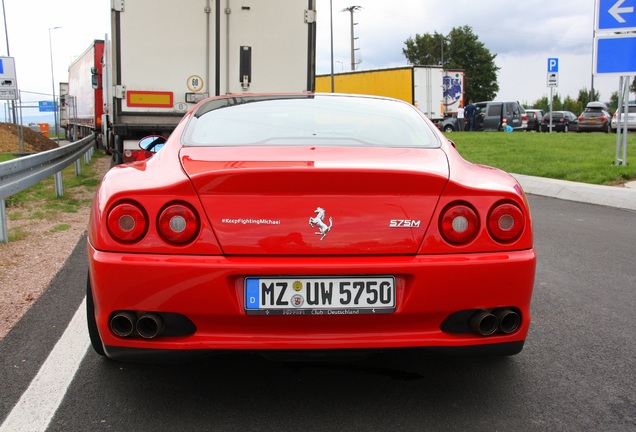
(615, 54)
(616, 15)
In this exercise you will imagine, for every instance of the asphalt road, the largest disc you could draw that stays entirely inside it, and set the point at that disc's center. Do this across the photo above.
(576, 373)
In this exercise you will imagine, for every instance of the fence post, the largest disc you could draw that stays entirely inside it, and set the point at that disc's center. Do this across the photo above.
(59, 185)
(4, 233)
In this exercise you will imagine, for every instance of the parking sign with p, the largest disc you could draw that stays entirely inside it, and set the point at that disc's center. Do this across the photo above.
(553, 65)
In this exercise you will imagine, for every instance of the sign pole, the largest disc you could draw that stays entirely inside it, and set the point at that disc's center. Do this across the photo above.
(621, 126)
(551, 99)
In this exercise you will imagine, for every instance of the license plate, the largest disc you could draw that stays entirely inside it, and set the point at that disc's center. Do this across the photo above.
(319, 295)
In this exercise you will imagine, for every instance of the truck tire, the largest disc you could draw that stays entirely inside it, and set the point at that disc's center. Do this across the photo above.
(118, 151)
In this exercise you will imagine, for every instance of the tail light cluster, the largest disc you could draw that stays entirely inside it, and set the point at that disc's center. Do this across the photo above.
(459, 223)
(178, 223)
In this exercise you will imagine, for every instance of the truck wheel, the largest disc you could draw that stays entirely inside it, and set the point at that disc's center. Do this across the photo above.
(449, 128)
(118, 152)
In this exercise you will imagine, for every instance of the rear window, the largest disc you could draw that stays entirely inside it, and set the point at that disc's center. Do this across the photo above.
(326, 120)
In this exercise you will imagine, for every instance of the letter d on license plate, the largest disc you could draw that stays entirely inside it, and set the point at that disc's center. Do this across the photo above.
(320, 295)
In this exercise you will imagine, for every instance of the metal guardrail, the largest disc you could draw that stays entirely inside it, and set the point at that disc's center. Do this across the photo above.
(19, 174)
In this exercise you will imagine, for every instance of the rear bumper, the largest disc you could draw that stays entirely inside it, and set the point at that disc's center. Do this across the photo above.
(592, 127)
(209, 291)
(140, 355)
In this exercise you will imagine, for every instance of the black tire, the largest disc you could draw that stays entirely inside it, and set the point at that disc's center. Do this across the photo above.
(449, 128)
(566, 128)
(93, 333)
(118, 151)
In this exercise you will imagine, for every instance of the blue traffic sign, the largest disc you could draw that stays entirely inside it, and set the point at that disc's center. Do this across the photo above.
(553, 65)
(616, 15)
(47, 106)
(615, 54)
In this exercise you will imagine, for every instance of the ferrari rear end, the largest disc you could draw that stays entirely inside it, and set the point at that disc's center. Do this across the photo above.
(276, 223)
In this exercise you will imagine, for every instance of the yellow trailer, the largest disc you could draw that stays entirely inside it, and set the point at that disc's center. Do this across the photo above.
(435, 91)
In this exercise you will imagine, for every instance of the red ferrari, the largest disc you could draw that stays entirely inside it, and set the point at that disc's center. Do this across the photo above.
(296, 223)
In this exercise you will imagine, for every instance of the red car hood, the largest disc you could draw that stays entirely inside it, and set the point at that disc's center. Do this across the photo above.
(317, 200)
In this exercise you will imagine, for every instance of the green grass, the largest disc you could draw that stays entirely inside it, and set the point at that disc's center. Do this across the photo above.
(45, 190)
(18, 233)
(40, 202)
(579, 157)
(61, 227)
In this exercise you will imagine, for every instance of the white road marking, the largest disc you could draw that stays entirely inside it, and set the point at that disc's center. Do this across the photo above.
(37, 406)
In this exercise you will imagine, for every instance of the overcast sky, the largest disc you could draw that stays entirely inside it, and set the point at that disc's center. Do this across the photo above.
(523, 35)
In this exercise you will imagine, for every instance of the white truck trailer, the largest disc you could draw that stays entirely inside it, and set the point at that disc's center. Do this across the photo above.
(165, 55)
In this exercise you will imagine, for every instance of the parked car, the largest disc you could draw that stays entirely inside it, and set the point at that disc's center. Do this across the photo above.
(451, 124)
(302, 222)
(489, 116)
(535, 116)
(631, 118)
(595, 117)
(562, 121)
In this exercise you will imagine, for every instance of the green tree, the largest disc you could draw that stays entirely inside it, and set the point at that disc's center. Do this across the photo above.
(542, 104)
(584, 97)
(461, 49)
(572, 105)
(557, 105)
(613, 104)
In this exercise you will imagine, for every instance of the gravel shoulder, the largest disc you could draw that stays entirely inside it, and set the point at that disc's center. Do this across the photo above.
(29, 264)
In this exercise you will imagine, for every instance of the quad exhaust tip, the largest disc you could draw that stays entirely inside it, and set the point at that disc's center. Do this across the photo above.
(487, 323)
(127, 323)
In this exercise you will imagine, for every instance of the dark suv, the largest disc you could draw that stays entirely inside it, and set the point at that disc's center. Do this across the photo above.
(489, 116)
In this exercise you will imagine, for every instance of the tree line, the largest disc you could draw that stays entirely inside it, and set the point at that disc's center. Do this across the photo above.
(576, 105)
(461, 49)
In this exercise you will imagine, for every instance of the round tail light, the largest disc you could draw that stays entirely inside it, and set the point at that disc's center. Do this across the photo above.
(506, 222)
(178, 223)
(127, 222)
(459, 224)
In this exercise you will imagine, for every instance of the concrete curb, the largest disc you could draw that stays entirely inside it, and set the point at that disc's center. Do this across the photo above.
(611, 196)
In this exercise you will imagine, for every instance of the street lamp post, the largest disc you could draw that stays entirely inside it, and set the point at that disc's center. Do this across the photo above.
(331, 33)
(57, 134)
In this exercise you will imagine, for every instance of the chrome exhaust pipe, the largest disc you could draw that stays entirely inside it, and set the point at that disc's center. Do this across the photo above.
(149, 325)
(122, 324)
(484, 323)
(509, 320)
